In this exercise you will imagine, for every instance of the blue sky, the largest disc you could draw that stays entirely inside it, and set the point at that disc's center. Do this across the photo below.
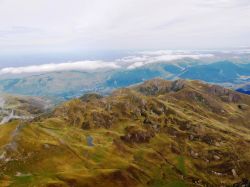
(41, 26)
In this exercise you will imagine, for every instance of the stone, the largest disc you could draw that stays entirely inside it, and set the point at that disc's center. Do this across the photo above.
(216, 157)
(194, 154)
(3, 155)
(234, 173)
(46, 146)
(135, 135)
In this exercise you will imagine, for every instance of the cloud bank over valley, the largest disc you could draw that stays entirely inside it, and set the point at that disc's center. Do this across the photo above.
(128, 62)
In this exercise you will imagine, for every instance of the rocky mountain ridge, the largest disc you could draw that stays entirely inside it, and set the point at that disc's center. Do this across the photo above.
(159, 133)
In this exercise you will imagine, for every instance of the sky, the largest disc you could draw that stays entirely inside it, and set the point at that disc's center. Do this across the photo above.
(41, 26)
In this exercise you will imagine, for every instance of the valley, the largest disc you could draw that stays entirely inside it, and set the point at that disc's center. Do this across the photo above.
(158, 133)
(124, 93)
(63, 85)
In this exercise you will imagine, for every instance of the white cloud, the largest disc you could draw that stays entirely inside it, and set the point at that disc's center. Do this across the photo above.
(128, 62)
(136, 60)
(150, 57)
(81, 66)
(123, 24)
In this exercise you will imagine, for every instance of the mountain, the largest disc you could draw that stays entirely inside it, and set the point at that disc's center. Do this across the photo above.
(63, 85)
(245, 88)
(159, 133)
(57, 86)
(218, 72)
(130, 77)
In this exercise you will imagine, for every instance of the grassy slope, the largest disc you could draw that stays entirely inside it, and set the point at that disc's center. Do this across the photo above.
(199, 136)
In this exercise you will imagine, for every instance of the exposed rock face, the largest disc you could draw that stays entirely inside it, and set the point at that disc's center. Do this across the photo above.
(225, 94)
(177, 85)
(90, 97)
(234, 97)
(159, 86)
(135, 135)
(154, 87)
(218, 90)
(101, 119)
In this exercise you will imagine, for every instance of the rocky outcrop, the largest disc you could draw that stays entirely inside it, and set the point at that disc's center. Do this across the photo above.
(177, 85)
(160, 86)
(226, 95)
(136, 135)
(91, 97)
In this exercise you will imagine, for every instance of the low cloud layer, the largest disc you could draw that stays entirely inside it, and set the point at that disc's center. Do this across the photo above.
(150, 57)
(129, 62)
(80, 65)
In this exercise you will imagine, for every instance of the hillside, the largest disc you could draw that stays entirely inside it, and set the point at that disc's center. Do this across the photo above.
(21, 107)
(159, 133)
(218, 72)
(57, 86)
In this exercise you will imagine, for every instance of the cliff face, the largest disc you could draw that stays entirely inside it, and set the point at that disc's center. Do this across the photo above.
(159, 133)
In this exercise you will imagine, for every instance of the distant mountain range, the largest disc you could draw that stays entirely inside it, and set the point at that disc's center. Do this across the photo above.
(220, 72)
(226, 70)
(58, 86)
